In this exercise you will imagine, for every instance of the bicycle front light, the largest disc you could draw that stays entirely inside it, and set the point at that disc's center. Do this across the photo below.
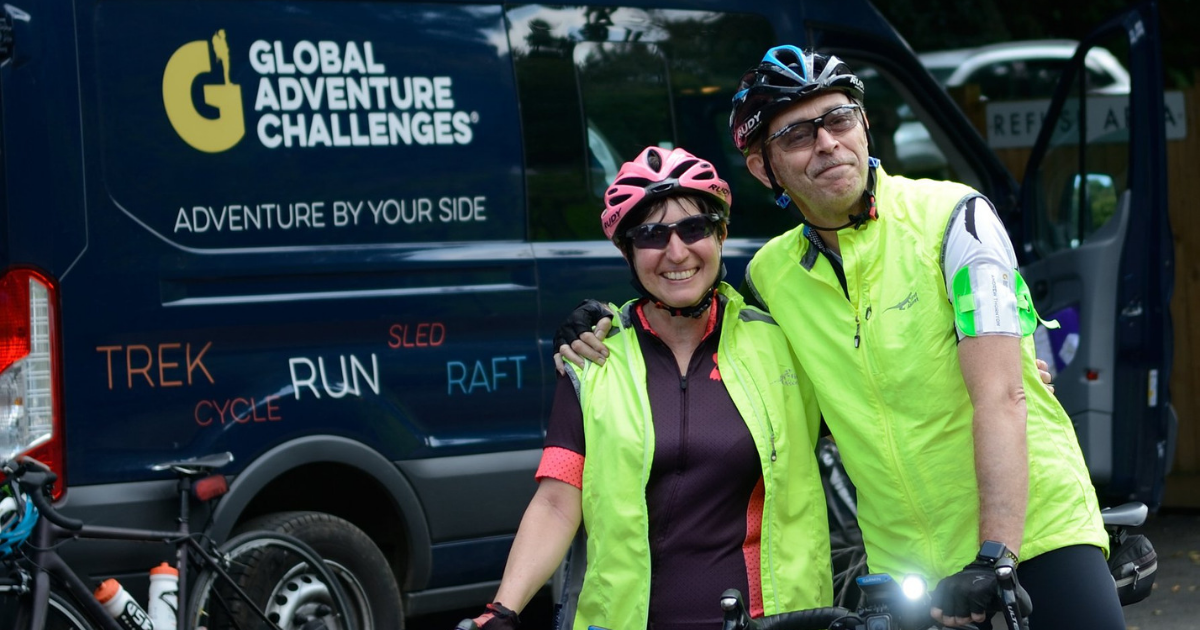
(914, 587)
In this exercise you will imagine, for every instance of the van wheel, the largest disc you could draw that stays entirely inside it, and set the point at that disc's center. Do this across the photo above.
(361, 568)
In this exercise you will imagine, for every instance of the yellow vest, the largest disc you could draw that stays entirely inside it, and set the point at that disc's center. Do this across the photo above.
(775, 400)
(897, 404)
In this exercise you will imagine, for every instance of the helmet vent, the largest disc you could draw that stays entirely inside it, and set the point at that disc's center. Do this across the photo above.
(654, 160)
(640, 182)
(660, 188)
(682, 168)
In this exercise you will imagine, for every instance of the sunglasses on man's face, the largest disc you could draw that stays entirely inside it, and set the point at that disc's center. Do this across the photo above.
(803, 134)
(657, 235)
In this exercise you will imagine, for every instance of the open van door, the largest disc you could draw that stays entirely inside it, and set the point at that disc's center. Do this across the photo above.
(1099, 258)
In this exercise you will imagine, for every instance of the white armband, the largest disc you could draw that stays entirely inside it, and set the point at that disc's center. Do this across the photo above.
(985, 301)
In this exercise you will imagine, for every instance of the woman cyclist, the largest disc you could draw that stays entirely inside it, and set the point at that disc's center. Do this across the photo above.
(698, 434)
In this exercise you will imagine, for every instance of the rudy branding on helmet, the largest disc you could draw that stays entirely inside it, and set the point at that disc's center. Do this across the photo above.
(656, 173)
(785, 75)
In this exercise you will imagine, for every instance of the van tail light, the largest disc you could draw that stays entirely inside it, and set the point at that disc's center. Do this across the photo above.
(30, 401)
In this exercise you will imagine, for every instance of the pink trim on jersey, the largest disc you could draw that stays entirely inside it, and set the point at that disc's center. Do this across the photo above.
(712, 319)
(561, 464)
(752, 549)
(642, 316)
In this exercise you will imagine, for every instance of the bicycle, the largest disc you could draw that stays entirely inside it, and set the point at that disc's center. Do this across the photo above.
(256, 580)
(886, 605)
(848, 554)
(1132, 559)
(1133, 572)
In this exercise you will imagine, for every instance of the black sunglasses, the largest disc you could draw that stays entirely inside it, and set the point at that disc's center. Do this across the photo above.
(657, 235)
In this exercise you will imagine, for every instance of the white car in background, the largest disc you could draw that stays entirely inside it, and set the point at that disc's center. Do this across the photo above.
(1008, 71)
(1024, 69)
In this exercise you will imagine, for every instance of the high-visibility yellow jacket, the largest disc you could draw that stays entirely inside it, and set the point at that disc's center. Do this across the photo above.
(774, 398)
(885, 367)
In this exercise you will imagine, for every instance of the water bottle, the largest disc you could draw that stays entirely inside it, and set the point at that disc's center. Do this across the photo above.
(164, 596)
(121, 605)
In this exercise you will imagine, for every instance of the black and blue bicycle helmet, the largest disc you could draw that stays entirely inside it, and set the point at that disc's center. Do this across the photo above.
(785, 75)
(16, 523)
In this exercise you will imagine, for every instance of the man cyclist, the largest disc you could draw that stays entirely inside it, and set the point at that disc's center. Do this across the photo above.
(903, 301)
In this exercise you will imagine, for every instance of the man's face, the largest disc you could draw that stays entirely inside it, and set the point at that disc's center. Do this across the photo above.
(827, 179)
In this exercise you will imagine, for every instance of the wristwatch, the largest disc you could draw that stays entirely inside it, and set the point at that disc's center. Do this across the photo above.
(990, 552)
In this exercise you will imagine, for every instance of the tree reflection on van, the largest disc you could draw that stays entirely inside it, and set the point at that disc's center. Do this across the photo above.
(603, 160)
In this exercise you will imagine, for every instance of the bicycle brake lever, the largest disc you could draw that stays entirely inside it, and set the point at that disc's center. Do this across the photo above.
(736, 617)
(1006, 576)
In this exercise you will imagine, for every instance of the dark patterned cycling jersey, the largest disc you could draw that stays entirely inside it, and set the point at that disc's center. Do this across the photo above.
(703, 477)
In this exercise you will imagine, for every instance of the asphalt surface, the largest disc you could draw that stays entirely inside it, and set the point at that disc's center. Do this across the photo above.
(1174, 604)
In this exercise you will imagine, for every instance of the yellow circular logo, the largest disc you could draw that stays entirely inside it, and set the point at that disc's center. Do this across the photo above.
(211, 135)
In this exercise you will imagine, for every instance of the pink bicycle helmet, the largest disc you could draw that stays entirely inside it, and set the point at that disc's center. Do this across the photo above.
(654, 174)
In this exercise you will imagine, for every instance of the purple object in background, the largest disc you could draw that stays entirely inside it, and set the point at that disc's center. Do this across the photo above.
(1064, 341)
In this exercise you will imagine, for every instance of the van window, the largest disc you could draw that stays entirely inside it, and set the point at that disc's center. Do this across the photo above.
(1079, 191)
(598, 84)
(899, 137)
(624, 91)
(1018, 78)
(1032, 78)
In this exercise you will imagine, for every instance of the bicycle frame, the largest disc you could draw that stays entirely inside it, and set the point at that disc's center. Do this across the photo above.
(46, 562)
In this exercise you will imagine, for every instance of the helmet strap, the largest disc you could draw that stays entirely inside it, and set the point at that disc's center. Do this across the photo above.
(857, 220)
(693, 311)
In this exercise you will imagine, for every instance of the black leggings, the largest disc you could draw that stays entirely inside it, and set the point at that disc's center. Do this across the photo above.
(1071, 588)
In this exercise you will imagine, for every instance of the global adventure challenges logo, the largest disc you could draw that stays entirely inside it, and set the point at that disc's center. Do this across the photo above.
(309, 94)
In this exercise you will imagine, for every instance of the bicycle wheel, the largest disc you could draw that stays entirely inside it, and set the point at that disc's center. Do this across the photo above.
(62, 614)
(283, 580)
(848, 554)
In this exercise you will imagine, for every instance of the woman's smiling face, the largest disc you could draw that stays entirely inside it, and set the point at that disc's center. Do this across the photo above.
(679, 274)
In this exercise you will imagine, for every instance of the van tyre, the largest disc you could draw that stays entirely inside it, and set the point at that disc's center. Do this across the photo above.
(268, 573)
(362, 569)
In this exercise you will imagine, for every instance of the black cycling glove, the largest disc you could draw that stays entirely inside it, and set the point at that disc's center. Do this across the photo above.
(581, 320)
(974, 590)
(497, 617)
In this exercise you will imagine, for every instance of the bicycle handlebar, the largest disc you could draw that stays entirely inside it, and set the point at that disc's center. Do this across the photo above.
(813, 619)
(33, 477)
(736, 617)
(888, 608)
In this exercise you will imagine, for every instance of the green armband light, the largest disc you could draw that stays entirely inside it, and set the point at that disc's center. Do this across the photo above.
(965, 305)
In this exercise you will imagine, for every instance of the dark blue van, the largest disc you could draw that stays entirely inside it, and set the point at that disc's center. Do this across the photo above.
(335, 239)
